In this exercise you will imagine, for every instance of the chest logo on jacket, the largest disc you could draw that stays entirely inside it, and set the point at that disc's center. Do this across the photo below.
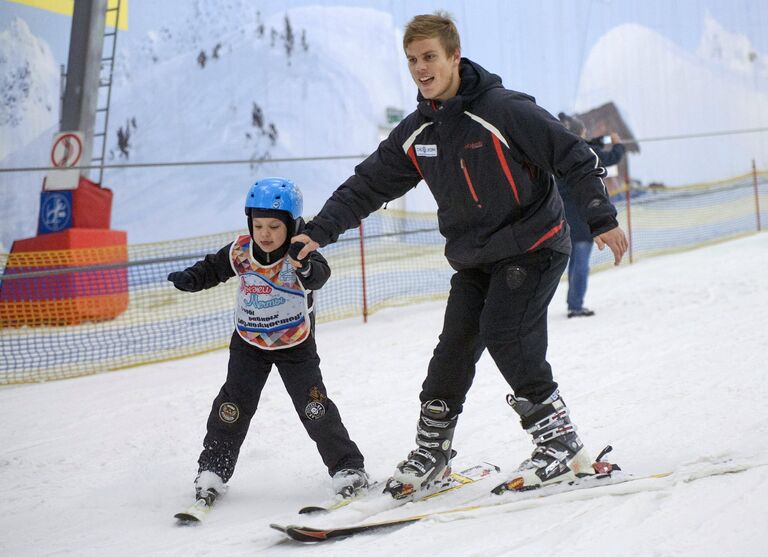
(426, 150)
(473, 145)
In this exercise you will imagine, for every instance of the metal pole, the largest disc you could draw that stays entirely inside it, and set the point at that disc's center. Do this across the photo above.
(81, 93)
(757, 195)
(362, 274)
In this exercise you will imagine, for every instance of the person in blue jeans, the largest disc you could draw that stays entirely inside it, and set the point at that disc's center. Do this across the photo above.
(581, 236)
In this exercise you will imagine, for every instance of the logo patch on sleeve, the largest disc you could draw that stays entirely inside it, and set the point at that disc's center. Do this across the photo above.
(426, 150)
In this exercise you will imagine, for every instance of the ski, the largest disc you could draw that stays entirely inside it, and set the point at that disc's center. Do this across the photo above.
(455, 481)
(194, 514)
(600, 469)
(339, 502)
(510, 499)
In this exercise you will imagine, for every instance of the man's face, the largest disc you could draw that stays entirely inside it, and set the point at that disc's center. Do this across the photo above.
(435, 73)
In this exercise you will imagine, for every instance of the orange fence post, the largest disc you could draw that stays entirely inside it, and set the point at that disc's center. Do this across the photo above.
(757, 195)
(362, 274)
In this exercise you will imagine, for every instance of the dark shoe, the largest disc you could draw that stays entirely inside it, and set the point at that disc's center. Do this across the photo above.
(208, 486)
(349, 482)
(583, 312)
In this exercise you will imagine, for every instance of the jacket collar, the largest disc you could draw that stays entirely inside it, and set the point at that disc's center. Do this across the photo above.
(475, 80)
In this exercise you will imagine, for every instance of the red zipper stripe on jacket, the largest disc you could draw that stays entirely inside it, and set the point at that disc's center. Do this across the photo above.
(469, 183)
(547, 236)
(412, 156)
(505, 166)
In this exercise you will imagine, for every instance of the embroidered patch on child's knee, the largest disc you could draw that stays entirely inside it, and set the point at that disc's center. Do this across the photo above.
(315, 409)
(229, 412)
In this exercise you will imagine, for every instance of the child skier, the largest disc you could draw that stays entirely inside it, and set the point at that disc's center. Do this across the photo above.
(274, 325)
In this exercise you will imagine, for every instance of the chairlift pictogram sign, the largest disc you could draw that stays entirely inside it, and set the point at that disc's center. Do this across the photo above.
(66, 153)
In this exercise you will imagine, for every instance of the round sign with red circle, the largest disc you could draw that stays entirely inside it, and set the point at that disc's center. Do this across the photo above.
(66, 151)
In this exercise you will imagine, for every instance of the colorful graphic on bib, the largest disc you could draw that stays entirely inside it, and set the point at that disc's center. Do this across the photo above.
(271, 310)
(253, 291)
(267, 307)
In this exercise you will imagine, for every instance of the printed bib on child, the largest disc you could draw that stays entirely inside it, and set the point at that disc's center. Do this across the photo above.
(271, 310)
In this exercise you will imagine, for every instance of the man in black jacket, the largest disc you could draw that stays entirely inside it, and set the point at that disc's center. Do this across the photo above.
(488, 155)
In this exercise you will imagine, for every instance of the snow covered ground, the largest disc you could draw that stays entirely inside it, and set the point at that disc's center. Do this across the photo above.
(671, 371)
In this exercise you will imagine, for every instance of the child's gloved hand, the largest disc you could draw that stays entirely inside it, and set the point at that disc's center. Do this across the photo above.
(184, 280)
(293, 253)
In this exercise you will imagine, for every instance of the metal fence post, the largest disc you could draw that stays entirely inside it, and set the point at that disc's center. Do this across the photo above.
(362, 273)
(757, 195)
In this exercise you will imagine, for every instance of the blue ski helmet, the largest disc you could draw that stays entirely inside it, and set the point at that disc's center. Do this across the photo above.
(275, 194)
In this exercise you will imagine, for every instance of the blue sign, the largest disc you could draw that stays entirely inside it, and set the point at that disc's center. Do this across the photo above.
(55, 211)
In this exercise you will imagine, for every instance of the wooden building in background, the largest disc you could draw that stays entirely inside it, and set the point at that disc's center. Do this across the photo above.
(604, 120)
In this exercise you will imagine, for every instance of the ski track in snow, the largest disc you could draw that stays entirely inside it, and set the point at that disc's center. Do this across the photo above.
(671, 372)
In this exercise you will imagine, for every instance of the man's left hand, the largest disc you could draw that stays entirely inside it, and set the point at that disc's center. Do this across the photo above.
(614, 239)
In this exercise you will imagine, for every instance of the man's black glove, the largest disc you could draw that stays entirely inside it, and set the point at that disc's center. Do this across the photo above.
(293, 253)
(184, 280)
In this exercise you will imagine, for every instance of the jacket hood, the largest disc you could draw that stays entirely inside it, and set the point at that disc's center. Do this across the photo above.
(475, 80)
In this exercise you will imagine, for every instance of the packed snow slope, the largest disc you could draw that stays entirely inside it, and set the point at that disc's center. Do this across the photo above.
(671, 371)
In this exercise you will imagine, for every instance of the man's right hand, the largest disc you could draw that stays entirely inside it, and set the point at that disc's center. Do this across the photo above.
(309, 246)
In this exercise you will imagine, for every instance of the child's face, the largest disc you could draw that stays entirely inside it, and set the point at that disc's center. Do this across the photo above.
(269, 234)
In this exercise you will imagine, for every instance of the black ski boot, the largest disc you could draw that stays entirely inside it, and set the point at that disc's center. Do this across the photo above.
(559, 455)
(430, 463)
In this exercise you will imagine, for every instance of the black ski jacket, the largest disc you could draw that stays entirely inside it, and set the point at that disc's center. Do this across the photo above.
(488, 156)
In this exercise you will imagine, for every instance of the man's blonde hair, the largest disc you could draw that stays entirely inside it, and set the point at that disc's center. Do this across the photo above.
(438, 25)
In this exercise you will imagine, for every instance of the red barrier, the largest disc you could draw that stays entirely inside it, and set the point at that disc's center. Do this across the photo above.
(67, 298)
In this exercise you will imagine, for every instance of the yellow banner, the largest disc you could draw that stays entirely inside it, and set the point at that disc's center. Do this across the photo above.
(67, 7)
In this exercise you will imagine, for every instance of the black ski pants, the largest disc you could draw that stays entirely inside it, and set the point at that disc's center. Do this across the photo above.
(236, 403)
(503, 307)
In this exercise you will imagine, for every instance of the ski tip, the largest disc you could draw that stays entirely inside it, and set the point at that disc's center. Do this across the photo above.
(303, 533)
(186, 519)
(313, 510)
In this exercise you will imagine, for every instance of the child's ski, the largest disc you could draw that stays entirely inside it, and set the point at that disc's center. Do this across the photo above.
(455, 481)
(338, 502)
(194, 514)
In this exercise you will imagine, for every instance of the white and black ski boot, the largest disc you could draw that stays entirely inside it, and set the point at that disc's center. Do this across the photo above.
(349, 482)
(559, 455)
(430, 464)
(208, 486)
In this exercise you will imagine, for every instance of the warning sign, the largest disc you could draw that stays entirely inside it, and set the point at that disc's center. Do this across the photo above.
(66, 153)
